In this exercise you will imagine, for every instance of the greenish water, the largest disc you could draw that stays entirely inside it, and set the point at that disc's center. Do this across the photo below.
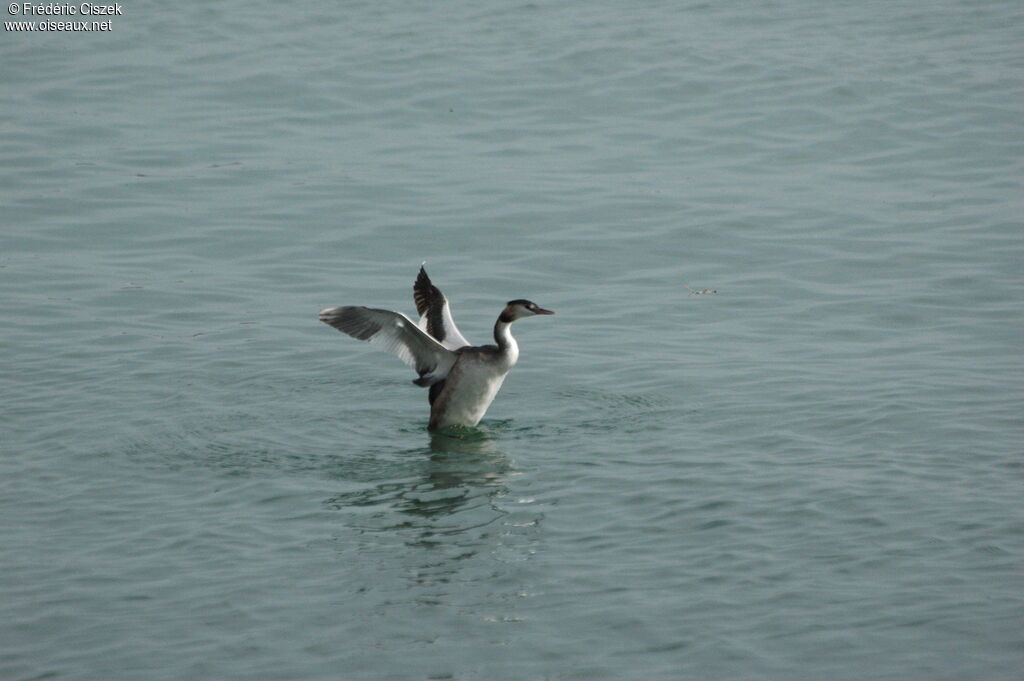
(813, 473)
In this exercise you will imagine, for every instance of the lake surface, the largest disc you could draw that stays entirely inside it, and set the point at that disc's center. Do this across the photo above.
(814, 472)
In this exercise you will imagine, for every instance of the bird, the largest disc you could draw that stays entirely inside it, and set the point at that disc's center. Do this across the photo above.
(463, 379)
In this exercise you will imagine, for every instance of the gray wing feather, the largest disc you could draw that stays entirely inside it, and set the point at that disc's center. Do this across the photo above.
(453, 339)
(435, 313)
(395, 333)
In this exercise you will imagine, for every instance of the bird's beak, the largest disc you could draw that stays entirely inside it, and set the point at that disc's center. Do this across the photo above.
(541, 310)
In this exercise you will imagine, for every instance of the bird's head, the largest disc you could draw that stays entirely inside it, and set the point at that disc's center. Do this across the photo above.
(517, 309)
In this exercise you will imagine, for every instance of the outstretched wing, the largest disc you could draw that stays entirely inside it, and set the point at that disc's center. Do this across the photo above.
(396, 333)
(435, 313)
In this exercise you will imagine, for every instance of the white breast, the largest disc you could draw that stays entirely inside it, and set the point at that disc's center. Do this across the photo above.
(469, 390)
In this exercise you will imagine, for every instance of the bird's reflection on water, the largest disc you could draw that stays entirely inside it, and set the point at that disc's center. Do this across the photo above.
(454, 487)
(442, 524)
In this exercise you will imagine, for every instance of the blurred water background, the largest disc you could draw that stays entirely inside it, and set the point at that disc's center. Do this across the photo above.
(813, 473)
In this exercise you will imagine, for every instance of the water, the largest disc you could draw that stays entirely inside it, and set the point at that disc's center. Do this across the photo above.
(814, 473)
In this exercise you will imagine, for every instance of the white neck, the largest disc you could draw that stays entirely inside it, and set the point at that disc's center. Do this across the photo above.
(506, 343)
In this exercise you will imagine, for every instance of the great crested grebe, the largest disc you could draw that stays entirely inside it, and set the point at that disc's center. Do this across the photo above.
(463, 378)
